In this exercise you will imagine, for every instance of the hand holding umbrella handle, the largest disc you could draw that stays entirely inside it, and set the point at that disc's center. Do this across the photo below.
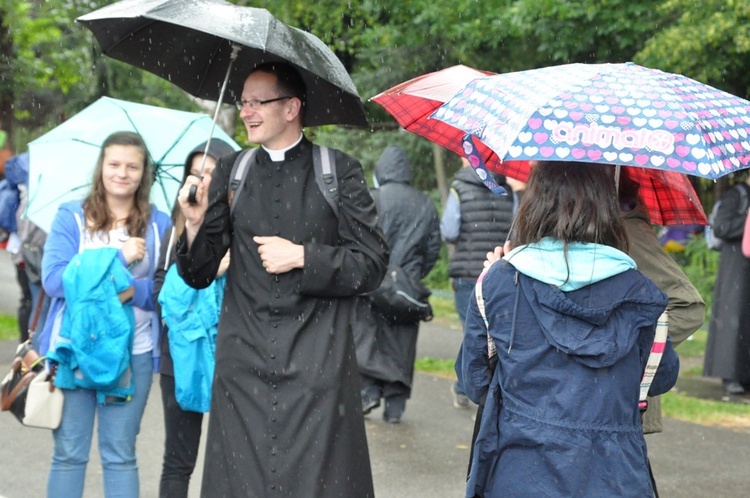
(192, 199)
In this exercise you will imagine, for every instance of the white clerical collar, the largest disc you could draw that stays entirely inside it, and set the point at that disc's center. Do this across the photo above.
(280, 155)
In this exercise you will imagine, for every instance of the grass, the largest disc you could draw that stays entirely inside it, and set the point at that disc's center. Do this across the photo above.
(8, 327)
(444, 310)
(706, 412)
(436, 366)
(675, 405)
(694, 346)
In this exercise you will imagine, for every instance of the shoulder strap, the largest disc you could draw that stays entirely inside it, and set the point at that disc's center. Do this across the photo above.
(238, 175)
(324, 162)
(654, 358)
(491, 348)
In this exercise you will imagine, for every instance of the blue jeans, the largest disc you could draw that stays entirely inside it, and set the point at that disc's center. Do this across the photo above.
(462, 290)
(118, 426)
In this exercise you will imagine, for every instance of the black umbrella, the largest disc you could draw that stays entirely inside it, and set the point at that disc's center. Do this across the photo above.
(206, 46)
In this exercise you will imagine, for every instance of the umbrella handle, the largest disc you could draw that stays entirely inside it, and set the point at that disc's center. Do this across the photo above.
(193, 193)
(233, 56)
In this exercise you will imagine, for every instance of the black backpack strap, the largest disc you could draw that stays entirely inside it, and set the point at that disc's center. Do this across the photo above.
(324, 162)
(239, 172)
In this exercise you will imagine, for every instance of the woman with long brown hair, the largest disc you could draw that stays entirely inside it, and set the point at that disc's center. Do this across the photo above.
(573, 323)
(98, 266)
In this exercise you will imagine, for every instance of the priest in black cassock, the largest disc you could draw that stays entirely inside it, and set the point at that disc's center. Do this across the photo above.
(286, 417)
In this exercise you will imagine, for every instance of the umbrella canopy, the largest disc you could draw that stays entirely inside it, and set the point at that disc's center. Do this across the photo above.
(62, 160)
(669, 197)
(190, 43)
(606, 113)
(412, 103)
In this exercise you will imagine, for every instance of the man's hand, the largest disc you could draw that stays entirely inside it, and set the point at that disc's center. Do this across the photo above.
(280, 255)
(223, 265)
(194, 213)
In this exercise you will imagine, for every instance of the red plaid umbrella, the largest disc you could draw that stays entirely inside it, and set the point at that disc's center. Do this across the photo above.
(413, 101)
(669, 196)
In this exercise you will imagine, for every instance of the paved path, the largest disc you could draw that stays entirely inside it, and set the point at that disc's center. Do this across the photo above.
(423, 457)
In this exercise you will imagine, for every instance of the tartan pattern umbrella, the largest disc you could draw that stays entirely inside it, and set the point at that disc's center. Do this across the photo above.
(669, 196)
(412, 103)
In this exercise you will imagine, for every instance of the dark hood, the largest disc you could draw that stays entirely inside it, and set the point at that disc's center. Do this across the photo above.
(217, 149)
(599, 324)
(393, 166)
(468, 175)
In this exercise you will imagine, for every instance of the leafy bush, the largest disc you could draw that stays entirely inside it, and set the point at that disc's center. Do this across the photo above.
(438, 276)
(701, 265)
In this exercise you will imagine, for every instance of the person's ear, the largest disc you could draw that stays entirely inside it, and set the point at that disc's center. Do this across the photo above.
(294, 109)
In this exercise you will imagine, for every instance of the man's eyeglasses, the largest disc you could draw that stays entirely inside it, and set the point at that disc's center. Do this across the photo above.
(257, 104)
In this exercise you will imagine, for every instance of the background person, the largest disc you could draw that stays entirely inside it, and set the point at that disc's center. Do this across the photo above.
(286, 412)
(475, 220)
(182, 428)
(687, 311)
(113, 236)
(567, 266)
(409, 220)
(728, 345)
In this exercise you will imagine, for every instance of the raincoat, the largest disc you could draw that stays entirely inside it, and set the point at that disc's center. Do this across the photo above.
(728, 344)
(686, 308)
(572, 347)
(192, 318)
(409, 220)
(98, 358)
(286, 414)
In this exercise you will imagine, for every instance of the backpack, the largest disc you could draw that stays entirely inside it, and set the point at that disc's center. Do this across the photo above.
(712, 241)
(324, 164)
(400, 298)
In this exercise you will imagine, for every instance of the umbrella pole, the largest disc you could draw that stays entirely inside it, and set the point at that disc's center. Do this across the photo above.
(235, 51)
(617, 180)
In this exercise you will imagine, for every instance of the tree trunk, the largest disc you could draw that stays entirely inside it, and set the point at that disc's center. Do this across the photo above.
(438, 155)
(6, 83)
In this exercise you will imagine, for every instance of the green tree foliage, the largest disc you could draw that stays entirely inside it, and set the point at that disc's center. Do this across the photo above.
(708, 41)
(52, 67)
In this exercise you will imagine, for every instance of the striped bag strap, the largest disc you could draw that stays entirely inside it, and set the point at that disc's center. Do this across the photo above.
(654, 358)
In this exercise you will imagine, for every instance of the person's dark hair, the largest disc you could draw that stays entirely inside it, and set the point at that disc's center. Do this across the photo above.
(288, 81)
(571, 202)
(628, 192)
(217, 149)
(95, 209)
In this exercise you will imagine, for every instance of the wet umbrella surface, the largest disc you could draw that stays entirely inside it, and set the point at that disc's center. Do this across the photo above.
(191, 44)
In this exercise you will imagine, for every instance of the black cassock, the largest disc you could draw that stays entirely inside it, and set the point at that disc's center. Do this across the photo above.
(286, 416)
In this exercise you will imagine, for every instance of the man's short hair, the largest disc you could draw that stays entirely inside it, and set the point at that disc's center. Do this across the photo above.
(288, 80)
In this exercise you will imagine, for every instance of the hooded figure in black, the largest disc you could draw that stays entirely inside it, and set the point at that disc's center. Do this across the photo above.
(386, 350)
(182, 428)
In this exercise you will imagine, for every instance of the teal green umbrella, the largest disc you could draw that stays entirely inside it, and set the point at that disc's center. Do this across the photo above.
(62, 161)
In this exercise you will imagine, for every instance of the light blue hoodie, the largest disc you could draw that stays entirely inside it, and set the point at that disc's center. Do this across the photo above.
(584, 263)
